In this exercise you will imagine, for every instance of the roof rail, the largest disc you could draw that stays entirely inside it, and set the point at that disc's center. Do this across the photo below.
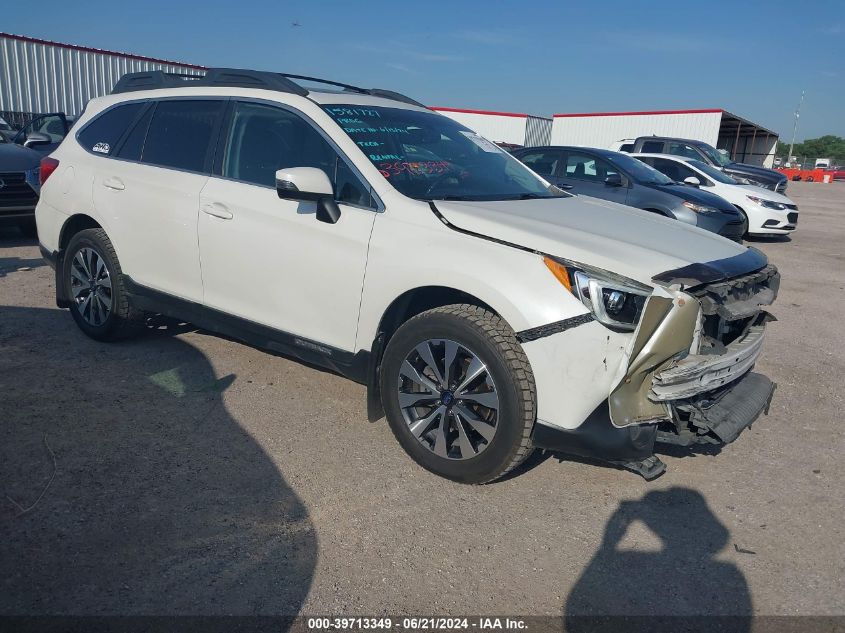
(219, 77)
(214, 77)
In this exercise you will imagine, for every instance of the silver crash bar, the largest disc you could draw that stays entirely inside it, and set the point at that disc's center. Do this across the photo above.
(701, 372)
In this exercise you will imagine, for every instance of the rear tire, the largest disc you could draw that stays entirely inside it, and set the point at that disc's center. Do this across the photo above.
(95, 287)
(485, 393)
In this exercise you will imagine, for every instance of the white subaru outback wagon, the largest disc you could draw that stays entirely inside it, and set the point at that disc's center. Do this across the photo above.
(488, 312)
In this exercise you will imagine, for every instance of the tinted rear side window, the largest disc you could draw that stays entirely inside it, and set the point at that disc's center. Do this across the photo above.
(180, 134)
(102, 134)
(652, 147)
(134, 143)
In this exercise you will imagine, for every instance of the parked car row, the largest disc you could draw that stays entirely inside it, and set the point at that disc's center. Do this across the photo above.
(743, 173)
(488, 311)
(681, 187)
(20, 154)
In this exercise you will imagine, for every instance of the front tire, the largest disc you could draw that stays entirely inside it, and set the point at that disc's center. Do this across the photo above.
(459, 393)
(94, 282)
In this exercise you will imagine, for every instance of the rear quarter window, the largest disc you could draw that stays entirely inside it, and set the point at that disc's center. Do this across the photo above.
(101, 135)
(180, 133)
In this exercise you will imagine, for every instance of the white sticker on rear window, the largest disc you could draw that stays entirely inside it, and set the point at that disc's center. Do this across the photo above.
(482, 142)
(101, 148)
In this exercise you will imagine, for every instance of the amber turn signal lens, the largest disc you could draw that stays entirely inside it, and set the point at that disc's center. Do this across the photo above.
(559, 271)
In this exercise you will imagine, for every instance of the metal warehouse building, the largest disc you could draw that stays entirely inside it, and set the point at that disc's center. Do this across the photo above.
(503, 127)
(38, 76)
(745, 142)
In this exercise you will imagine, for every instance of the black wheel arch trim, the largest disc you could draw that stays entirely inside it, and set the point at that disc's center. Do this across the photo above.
(543, 331)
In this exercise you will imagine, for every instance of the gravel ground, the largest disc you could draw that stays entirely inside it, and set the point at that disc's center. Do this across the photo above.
(183, 473)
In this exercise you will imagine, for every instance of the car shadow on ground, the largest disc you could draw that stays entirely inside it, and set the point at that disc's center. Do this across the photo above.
(12, 236)
(771, 239)
(126, 487)
(12, 264)
(665, 584)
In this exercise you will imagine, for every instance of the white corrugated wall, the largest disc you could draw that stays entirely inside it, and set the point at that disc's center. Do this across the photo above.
(602, 131)
(39, 77)
(538, 131)
(499, 128)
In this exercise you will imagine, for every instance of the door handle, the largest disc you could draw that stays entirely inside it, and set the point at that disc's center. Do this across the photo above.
(562, 186)
(217, 210)
(114, 183)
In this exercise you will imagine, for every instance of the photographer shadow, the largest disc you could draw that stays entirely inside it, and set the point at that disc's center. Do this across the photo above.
(128, 488)
(671, 589)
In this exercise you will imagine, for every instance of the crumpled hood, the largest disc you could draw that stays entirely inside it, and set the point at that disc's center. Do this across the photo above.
(599, 233)
(17, 158)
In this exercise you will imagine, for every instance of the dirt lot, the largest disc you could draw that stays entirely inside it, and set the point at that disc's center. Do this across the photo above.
(189, 474)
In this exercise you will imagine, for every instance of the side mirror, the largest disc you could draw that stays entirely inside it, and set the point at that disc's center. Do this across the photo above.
(613, 180)
(36, 138)
(312, 185)
(692, 180)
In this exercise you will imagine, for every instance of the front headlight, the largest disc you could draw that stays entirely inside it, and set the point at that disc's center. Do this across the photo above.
(700, 208)
(615, 301)
(33, 179)
(769, 204)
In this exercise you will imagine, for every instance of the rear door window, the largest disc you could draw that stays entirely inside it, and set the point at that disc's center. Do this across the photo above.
(652, 147)
(674, 170)
(586, 167)
(180, 134)
(101, 135)
(544, 163)
(682, 149)
(133, 145)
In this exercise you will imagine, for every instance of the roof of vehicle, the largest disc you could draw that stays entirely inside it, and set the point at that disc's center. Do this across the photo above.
(683, 159)
(654, 137)
(262, 80)
(607, 153)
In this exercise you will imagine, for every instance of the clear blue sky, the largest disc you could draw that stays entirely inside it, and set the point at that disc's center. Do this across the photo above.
(752, 58)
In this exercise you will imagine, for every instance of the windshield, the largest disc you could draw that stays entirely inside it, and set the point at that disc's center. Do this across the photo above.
(428, 156)
(715, 155)
(639, 171)
(712, 172)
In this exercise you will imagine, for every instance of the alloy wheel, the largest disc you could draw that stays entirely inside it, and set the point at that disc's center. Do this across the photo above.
(448, 399)
(90, 285)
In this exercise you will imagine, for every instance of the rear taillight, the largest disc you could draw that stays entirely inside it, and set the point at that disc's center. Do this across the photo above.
(48, 166)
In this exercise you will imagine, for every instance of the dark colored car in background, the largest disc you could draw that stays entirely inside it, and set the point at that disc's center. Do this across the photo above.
(621, 178)
(21, 152)
(743, 173)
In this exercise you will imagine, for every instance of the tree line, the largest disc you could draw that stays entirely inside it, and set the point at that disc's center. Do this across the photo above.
(829, 146)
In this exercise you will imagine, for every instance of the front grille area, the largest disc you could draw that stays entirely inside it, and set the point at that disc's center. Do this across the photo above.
(792, 218)
(731, 307)
(15, 194)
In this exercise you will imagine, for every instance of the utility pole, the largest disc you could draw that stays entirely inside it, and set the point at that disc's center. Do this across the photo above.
(795, 128)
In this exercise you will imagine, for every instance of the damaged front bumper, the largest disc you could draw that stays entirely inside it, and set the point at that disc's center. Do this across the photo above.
(690, 364)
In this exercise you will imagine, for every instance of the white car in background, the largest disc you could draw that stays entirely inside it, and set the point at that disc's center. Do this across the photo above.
(768, 212)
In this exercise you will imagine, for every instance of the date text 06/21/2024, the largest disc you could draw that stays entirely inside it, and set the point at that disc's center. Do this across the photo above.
(415, 623)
